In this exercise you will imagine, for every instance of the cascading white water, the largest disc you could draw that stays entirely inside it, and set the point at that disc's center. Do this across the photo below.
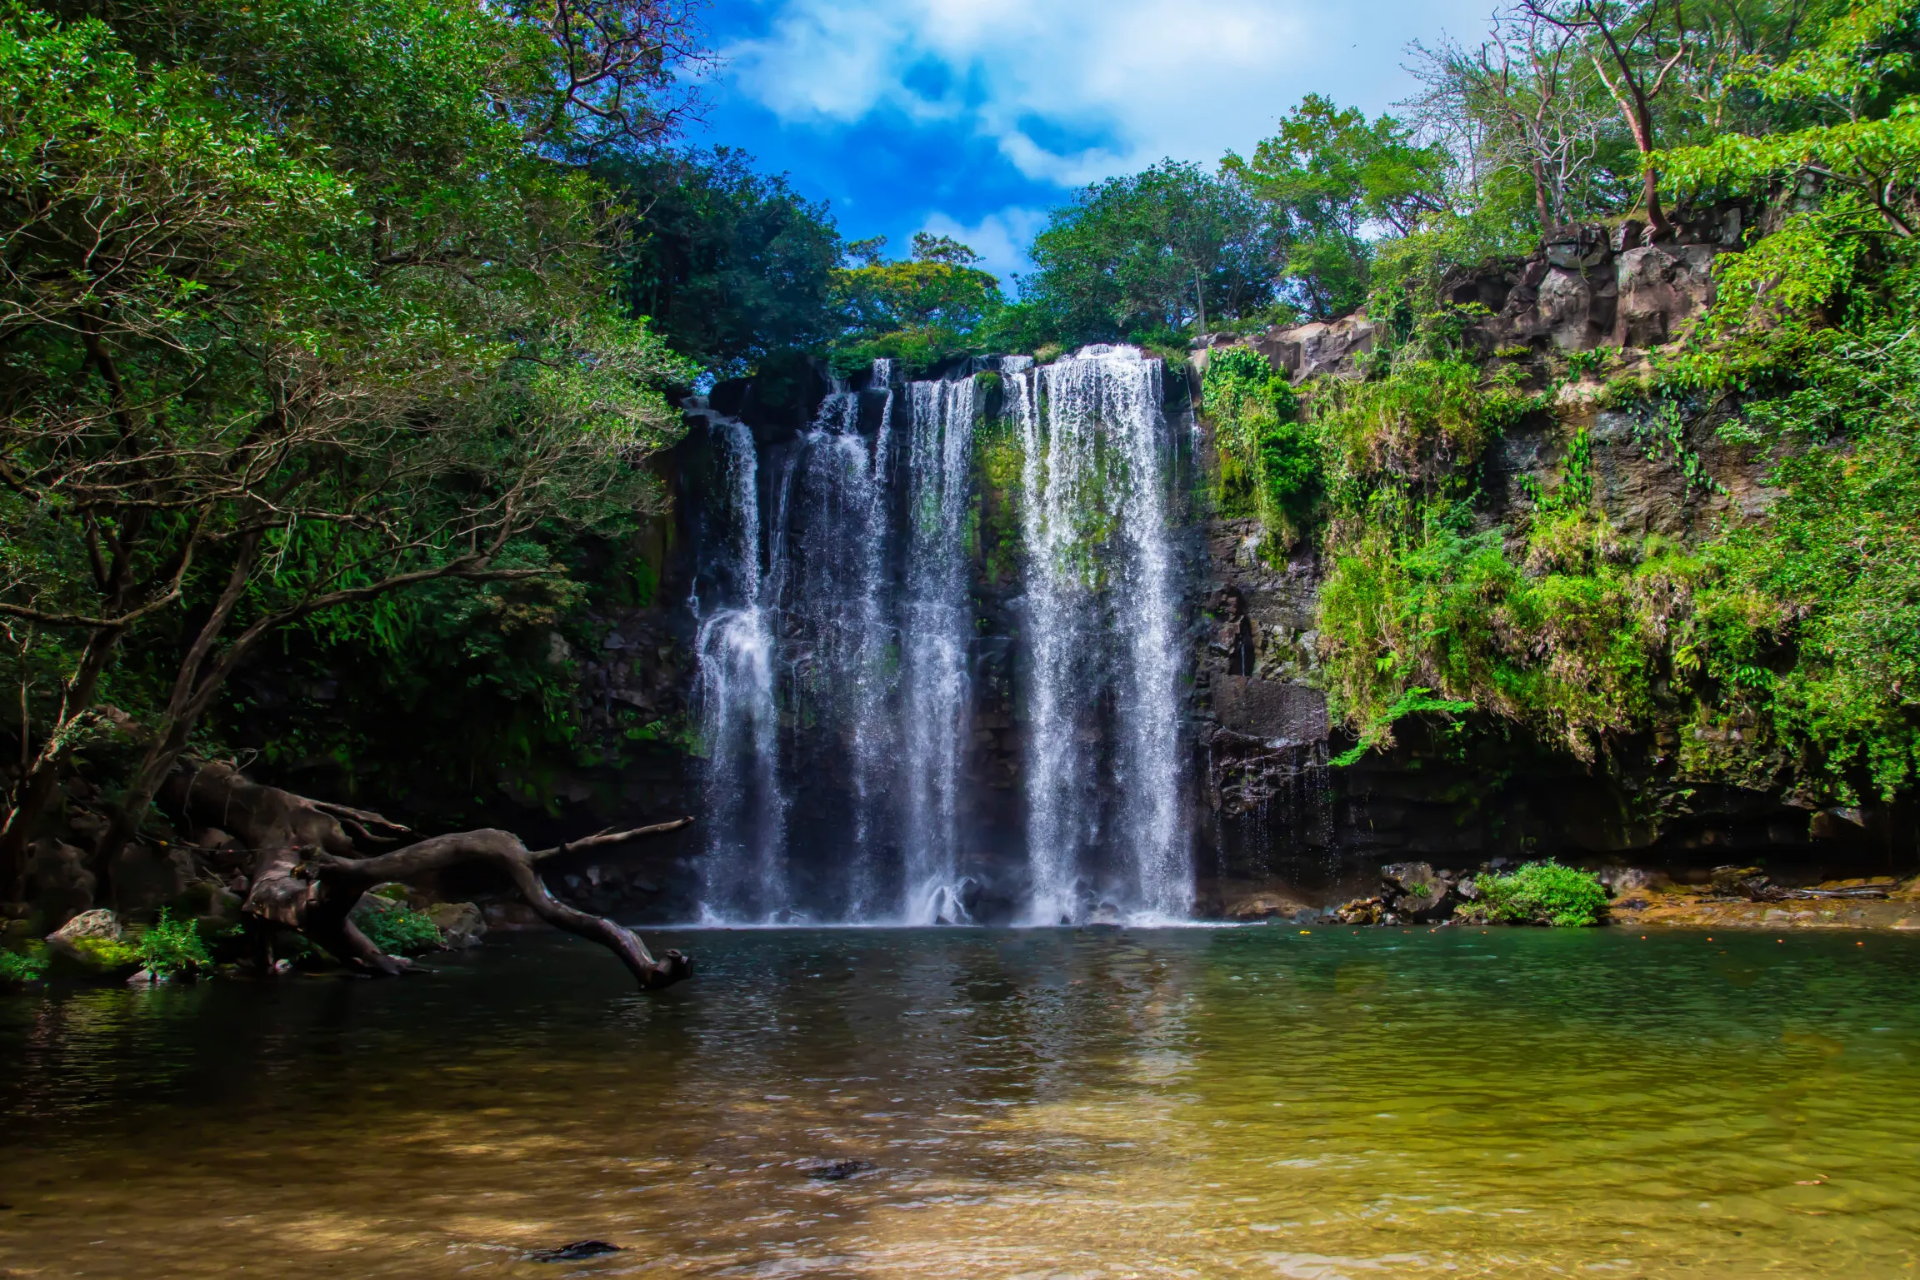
(1104, 629)
(743, 876)
(833, 592)
(936, 626)
(860, 633)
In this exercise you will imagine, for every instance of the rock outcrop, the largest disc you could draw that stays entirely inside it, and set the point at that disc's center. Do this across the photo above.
(1283, 821)
(1588, 287)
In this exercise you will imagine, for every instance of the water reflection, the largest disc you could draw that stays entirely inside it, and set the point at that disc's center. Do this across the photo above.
(1088, 1103)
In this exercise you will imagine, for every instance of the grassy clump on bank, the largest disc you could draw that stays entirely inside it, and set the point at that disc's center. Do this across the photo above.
(169, 947)
(1539, 893)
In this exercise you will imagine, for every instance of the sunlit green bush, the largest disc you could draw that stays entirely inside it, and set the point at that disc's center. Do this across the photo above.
(1541, 893)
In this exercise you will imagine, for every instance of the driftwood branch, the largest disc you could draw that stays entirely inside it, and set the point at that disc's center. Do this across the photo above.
(308, 873)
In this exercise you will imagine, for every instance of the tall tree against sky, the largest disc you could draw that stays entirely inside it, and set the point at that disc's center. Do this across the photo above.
(1524, 100)
(1331, 180)
(1165, 249)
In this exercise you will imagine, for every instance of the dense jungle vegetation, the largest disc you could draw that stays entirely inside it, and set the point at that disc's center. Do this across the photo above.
(336, 341)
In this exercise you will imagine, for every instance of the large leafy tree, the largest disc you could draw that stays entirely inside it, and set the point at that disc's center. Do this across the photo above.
(919, 309)
(1332, 180)
(1853, 90)
(937, 287)
(732, 266)
(302, 304)
(1169, 248)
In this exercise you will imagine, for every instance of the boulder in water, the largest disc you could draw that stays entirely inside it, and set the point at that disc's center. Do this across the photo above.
(91, 942)
(1363, 911)
(460, 923)
(1415, 891)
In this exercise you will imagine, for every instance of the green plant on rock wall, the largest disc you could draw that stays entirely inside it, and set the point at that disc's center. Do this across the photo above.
(1552, 619)
(1269, 459)
(1421, 428)
(1412, 702)
(999, 461)
(1566, 628)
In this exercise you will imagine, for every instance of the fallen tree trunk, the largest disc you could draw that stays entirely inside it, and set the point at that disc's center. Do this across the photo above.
(308, 871)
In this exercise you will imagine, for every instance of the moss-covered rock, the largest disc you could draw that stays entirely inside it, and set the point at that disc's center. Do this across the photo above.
(93, 944)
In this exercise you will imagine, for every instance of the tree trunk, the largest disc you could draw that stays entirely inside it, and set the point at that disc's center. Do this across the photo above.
(42, 780)
(189, 698)
(308, 873)
(1656, 220)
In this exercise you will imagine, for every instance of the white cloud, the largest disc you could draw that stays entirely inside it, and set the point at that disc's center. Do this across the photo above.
(999, 238)
(1072, 91)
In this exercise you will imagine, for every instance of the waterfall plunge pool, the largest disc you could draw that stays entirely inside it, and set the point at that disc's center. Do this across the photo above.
(1187, 1102)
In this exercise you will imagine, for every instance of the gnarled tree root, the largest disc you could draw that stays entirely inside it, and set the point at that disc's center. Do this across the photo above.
(308, 872)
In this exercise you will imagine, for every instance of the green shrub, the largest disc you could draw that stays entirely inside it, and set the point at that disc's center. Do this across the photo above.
(170, 946)
(18, 967)
(1542, 893)
(395, 927)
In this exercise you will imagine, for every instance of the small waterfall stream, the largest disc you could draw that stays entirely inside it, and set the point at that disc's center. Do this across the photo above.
(936, 626)
(855, 648)
(743, 873)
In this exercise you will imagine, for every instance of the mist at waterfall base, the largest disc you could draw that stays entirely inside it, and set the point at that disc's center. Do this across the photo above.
(841, 659)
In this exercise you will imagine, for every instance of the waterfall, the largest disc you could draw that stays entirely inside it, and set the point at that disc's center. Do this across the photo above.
(744, 873)
(936, 628)
(835, 689)
(1104, 630)
(834, 598)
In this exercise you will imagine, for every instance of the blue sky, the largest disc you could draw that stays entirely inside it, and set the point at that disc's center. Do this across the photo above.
(972, 117)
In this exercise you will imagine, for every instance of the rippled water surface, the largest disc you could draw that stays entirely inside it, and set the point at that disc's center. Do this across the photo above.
(1253, 1102)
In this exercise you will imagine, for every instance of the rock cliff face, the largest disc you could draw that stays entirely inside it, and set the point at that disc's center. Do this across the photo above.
(1589, 287)
(1285, 829)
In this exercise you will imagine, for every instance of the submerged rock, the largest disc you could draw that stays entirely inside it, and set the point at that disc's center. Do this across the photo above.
(578, 1251)
(1266, 906)
(838, 1170)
